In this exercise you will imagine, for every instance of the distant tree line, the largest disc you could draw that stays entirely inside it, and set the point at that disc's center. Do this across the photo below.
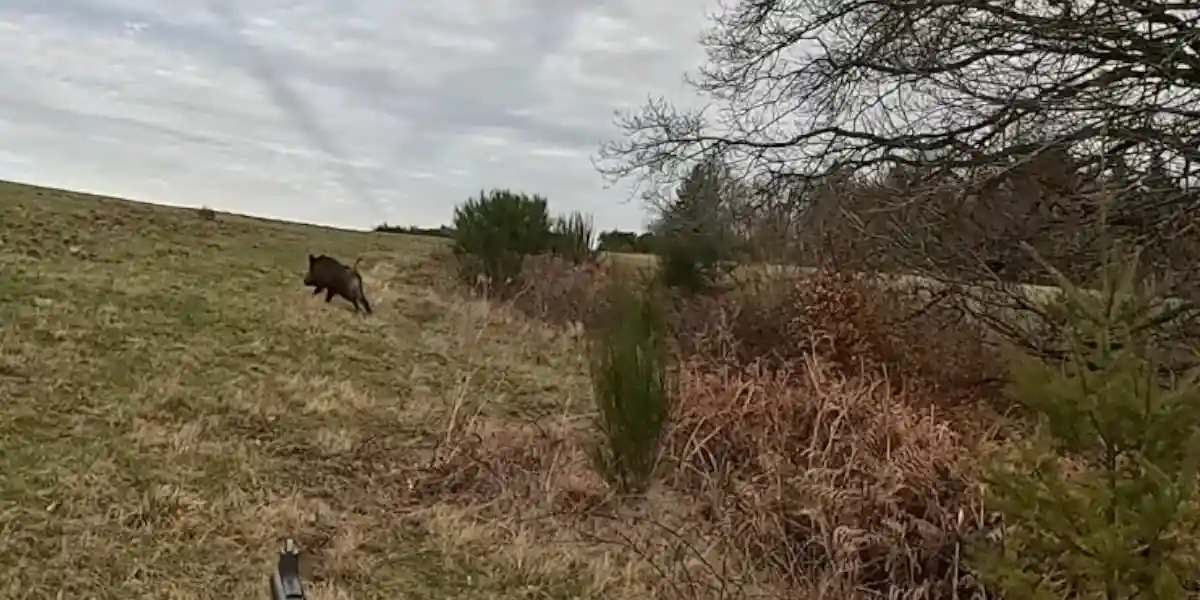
(442, 232)
(626, 241)
(608, 241)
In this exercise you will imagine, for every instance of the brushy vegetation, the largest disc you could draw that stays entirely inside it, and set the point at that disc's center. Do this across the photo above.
(561, 292)
(630, 388)
(496, 231)
(829, 429)
(574, 238)
(808, 393)
(1100, 499)
(494, 235)
(689, 262)
(691, 241)
(626, 241)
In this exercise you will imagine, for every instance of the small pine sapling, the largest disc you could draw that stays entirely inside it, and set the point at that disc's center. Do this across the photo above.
(1098, 503)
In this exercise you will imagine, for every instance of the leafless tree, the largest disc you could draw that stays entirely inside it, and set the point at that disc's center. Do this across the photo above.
(956, 129)
(806, 87)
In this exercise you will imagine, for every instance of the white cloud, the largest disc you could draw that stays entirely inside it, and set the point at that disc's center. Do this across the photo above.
(343, 113)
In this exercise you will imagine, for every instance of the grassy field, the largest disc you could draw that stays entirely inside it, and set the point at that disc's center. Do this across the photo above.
(173, 403)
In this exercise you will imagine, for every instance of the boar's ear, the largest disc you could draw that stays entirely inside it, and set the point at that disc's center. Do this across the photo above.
(311, 259)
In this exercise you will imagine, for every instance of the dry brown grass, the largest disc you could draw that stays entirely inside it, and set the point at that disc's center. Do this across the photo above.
(832, 427)
(563, 293)
(777, 320)
(842, 487)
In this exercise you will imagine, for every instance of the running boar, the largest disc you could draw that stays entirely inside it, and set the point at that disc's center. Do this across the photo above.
(327, 274)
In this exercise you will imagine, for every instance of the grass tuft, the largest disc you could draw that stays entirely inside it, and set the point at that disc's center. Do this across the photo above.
(631, 388)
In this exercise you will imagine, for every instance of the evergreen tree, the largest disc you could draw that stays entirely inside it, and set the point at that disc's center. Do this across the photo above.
(1098, 504)
(494, 233)
(692, 232)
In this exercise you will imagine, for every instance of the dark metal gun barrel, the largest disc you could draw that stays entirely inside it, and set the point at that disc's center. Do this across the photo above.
(285, 581)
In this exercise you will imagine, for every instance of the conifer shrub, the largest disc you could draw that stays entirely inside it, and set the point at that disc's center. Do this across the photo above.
(691, 262)
(1099, 501)
(495, 232)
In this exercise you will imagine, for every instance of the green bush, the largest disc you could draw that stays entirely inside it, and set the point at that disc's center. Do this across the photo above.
(492, 234)
(574, 238)
(691, 262)
(1098, 504)
(631, 387)
(693, 232)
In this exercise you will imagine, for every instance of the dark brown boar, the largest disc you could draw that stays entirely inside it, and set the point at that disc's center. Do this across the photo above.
(326, 274)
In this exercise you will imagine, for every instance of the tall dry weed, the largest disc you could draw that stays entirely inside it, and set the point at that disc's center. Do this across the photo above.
(853, 324)
(560, 291)
(842, 486)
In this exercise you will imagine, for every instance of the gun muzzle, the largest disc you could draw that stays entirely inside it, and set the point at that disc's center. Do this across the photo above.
(285, 581)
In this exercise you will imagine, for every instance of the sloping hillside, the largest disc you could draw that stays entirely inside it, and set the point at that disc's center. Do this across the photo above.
(173, 402)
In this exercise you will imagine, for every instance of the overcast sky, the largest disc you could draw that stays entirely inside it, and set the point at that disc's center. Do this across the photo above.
(341, 112)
